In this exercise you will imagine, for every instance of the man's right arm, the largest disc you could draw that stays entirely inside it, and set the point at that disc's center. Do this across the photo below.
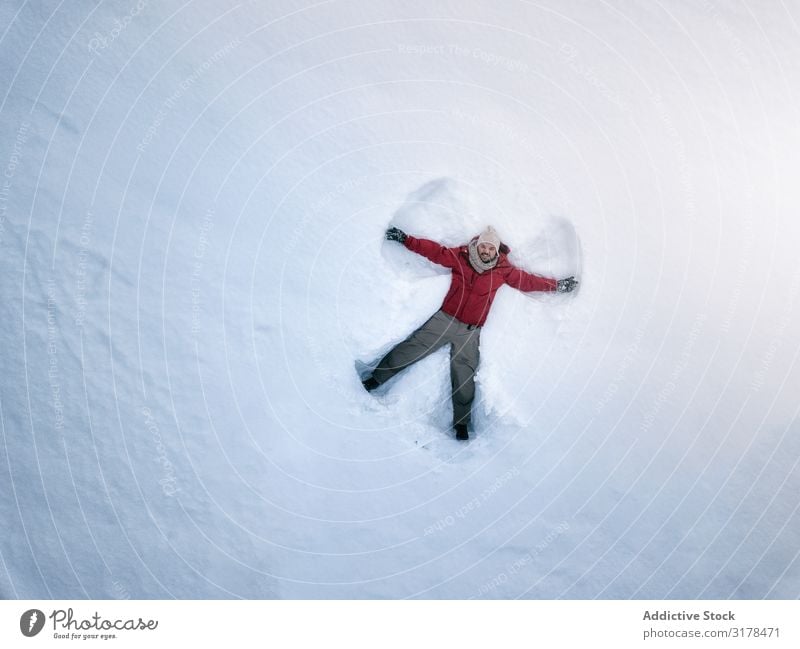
(437, 253)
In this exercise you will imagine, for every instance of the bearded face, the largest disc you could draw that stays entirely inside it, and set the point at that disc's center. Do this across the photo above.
(487, 252)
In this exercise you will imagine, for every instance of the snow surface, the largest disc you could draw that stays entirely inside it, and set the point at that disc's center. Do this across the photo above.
(191, 214)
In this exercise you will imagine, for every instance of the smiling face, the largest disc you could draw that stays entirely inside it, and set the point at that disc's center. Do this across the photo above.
(487, 252)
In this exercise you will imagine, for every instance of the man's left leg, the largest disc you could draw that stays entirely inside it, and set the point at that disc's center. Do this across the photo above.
(464, 357)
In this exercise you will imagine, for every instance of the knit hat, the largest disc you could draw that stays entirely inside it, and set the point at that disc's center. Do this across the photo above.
(489, 235)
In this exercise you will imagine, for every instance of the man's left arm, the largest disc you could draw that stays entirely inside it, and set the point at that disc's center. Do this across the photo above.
(526, 282)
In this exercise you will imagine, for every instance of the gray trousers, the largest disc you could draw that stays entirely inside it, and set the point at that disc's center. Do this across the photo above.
(440, 330)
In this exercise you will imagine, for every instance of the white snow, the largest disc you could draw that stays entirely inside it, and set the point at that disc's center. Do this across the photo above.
(192, 206)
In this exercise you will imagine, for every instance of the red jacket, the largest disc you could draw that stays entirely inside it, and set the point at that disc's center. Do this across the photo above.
(471, 293)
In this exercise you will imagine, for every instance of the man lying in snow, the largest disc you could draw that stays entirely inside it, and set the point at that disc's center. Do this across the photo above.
(479, 269)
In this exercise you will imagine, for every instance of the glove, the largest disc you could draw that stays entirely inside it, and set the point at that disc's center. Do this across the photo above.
(567, 285)
(396, 234)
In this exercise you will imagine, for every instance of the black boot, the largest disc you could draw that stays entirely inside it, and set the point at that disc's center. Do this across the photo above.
(370, 384)
(461, 432)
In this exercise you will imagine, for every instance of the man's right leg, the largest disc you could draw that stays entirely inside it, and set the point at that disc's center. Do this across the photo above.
(423, 342)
